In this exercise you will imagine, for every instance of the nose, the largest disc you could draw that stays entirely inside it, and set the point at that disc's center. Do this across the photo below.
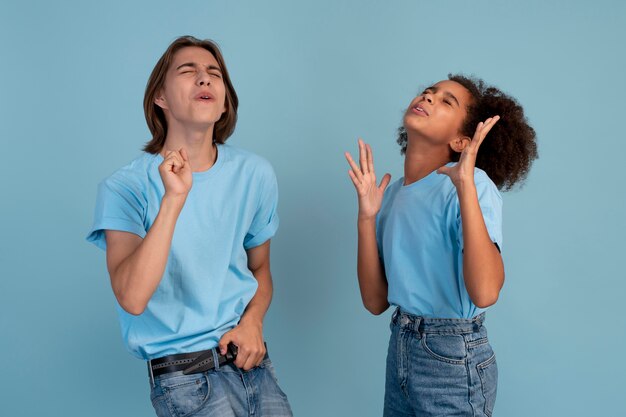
(428, 97)
(203, 79)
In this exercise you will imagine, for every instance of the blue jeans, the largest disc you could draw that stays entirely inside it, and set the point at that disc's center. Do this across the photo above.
(439, 367)
(224, 392)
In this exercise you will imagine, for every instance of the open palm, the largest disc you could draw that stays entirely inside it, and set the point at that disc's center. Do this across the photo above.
(463, 171)
(364, 179)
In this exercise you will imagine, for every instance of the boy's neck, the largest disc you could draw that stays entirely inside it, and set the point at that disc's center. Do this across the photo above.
(197, 142)
(422, 158)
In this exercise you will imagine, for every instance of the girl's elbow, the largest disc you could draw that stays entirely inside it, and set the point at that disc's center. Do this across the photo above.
(486, 300)
(376, 308)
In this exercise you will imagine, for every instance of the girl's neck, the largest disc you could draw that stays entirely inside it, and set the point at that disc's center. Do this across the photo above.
(198, 143)
(422, 158)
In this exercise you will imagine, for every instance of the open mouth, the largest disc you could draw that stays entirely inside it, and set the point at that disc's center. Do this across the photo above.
(204, 96)
(419, 110)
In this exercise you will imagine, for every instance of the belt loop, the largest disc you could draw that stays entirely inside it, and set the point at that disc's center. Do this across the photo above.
(478, 322)
(418, 322)
(216, 359)
(152, 384)
(394, 316)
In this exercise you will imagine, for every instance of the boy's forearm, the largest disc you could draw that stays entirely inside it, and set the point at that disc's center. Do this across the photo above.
(260, 303)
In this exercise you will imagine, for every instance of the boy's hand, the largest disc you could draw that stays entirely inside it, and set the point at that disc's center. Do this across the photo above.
(175, 172)
(248, 337)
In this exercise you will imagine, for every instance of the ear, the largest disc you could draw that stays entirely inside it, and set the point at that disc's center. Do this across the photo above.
(160, 101)
(459, 143)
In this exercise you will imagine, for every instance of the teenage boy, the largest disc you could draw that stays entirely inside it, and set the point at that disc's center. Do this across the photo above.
(186, 228)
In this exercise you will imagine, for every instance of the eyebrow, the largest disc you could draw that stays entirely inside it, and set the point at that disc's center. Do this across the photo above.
(446, 93)
(194, 65)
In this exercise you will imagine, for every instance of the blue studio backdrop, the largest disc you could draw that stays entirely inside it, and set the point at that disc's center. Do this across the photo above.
(312, 76)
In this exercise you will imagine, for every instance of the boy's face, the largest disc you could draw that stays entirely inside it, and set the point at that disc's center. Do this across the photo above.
(438, 113)
(193, 95)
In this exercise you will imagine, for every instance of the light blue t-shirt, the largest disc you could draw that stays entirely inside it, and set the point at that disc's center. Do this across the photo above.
(420, 240)
(207, 284)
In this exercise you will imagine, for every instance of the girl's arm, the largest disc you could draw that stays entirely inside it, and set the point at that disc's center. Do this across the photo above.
(372, 280)
(483, 269)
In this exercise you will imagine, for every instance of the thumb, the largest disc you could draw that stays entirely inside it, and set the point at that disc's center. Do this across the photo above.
(445, 170)
(385, 182)
(224, 341)
(183, 154)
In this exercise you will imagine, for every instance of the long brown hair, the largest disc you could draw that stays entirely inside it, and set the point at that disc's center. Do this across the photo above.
(155, 117)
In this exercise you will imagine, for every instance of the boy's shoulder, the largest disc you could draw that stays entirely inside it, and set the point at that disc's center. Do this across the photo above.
(246, 159)
(135, 172)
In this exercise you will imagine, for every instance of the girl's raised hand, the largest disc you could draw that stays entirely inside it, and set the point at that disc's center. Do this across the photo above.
(364, 179)
(463, 171)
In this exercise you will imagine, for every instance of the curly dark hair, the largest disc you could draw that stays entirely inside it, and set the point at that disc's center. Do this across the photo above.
(510, 147)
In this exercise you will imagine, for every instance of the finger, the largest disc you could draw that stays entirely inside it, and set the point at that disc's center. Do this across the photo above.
(242, 359)
(251, 362)
(176, 164)
(370, 159)
(384, 182)
(354, 179)
(353, 165)
(362, 157)
(261, 355)
(223, 343)
(489, 123)
(445, 170)
(174, 161)
(183, 154)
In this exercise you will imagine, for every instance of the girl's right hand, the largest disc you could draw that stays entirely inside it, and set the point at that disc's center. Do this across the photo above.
(175, 173)
(364, 179)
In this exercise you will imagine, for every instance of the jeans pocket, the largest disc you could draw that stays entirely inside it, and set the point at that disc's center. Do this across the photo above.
(268, 367)
(449, 348)
(488, 373)
(187, 394)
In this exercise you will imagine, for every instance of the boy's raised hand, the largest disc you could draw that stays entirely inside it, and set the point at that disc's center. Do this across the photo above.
(175, 172)
(364, 179)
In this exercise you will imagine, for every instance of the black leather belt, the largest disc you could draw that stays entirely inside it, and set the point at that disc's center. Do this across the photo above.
(191, 363)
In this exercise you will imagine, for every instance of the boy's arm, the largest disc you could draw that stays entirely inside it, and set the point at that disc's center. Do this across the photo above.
(248, 334)
(136, 265)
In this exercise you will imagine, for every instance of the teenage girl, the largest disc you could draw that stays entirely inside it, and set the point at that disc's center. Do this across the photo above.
(430, 243)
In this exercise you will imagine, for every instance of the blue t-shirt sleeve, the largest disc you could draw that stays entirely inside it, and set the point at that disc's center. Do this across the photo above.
(490, 202)
(265, 221)
(119, 206)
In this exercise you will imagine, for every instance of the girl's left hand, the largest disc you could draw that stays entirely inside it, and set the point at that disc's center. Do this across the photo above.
(463, 172)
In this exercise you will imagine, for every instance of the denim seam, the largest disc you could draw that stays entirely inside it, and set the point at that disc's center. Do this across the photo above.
(469, 387)
(477, 342)
(403, 364)
(481, 370)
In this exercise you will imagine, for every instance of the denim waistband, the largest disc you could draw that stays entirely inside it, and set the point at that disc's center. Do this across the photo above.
(435, 325)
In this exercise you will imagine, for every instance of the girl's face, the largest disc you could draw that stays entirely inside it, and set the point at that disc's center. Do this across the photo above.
(438, 113)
